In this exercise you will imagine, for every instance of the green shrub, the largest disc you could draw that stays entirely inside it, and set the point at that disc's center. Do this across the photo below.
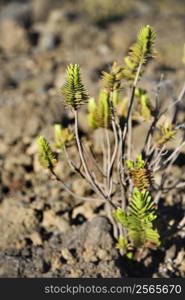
(126, 185)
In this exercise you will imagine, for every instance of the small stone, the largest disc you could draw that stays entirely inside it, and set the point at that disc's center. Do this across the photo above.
(36, 239)
(170, 253)
(90, 254)
(102, 254)
(56, 263)
(66, 254)
(75, 273)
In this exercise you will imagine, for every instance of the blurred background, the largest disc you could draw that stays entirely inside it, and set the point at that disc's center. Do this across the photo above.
(38, 39)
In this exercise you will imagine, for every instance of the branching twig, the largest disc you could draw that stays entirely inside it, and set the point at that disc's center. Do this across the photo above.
(83, 160)
(72, 165)
(127, 133)
(71, 192)
(171, 159)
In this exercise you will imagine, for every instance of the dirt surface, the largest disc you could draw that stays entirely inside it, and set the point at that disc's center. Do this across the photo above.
(44, 231)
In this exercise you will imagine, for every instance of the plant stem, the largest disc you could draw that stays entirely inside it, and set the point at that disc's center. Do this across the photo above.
(89, 177)
(129, 116)
(72, 164)
(112, 160)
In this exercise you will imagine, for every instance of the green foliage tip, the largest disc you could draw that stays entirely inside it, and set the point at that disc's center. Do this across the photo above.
(73, 90)
(47, 158)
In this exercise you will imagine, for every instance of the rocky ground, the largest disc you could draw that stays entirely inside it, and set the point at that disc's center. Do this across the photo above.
(44, 231)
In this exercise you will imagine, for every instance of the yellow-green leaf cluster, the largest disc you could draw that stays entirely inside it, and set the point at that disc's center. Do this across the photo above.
(99, 114)
(138, 164)
(138, 220)
(122, 243)
(73, 90)
(122, 107)
(140, 52)
(62, 136)
(144, 108)
(112, 80)
(141, 176)
(47, 158)
(166, 134)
